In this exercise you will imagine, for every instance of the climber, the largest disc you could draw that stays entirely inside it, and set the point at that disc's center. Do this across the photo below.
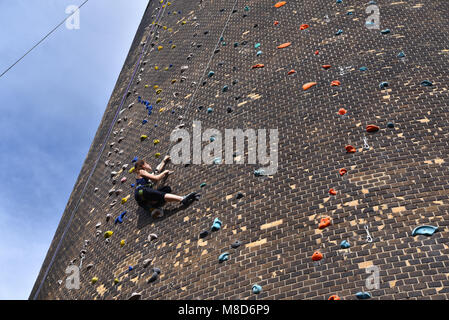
(149, 198)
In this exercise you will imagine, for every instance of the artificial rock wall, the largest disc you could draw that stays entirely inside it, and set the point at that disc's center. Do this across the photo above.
(393, 185)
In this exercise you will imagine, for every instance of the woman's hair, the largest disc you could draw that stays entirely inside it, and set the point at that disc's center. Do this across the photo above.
(139, 165)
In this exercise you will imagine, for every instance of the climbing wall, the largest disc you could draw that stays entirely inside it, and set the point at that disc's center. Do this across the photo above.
(363, 152)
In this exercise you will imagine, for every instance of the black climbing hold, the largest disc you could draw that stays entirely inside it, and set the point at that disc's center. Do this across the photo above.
(204, 234)
(244, 43)
(217, 51)
(390, 125)
(236, 244)
(239, 195)
(229, 110)
(426, 83)
(206, 32)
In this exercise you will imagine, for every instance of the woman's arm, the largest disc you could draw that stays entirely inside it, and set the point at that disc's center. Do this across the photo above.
(153, 177)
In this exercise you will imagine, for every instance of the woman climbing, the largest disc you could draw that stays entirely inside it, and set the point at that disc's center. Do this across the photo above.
(149, 198)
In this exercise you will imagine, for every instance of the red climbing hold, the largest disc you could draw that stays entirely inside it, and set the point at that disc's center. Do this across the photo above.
(350, 149)
(317, 52)
(284, 45)
(280, 4)
(335, 83)
(259, 65)
(342, 111)
(303, 27)
(343, 171)
(276, 23)
(325, 222)
(317, 256)
(334, 297)
(291, 72)
(372, 128)
(308, 85)
(326, 66)
(332, 191)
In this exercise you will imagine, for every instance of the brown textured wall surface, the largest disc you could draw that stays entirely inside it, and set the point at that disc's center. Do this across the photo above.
(401, 182)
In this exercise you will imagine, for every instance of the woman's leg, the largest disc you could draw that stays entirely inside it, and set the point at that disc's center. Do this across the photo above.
(172, 198)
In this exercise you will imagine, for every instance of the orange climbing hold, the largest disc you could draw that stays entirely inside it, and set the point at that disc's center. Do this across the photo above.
(317, 52)
(334, 297)
(284, 45)
(259, 65)
(342, 111)
(350, 149)
(276, 23)
(325, 222)
(332, 191)
(303, 27)
(308, 85)
(372, 128)
(317, 256)
(335, 83)
(291, 72)
(326, 66)
(342, 171)
(280, 4)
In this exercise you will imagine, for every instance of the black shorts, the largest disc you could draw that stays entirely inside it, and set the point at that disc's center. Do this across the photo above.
(151, 198)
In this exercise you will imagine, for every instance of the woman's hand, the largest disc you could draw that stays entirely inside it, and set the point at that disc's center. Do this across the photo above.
(167, 172)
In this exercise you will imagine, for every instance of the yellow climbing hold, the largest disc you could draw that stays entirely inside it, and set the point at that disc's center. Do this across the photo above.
(173, 46)
(166, 68)
(156, 68)
(161, 109)
(131, 170)
(108, 234)
(156, 87)
(146, 86)
(94, 280)
(171, 29)
(173, 81)
(125, 199)
(168, 3)
(158, 100)
(157, 155)
(143, 137)
(184, 22)
(164, 27)
(158, 91)
(116, 281)
(156, 141)
(160, 48)
(122, 243)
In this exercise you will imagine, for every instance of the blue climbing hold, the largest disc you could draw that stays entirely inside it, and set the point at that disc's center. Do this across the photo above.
(211, 73)
(209, 110)
(390, 124)
(363, 295)
(383, 85)
(144, 121)
(344, 244)
(139, 98)
(223, 257)
(236, 44)
(257, 289)
(424, 230)
(259, 172)
(246, 8)
(225, 88)
(258, 53)
(212, 139)
(426, 83)
(221, 39)
(130, 268)
(119, 219)
(135, 159)
(257, 45)
(216, 225)
(217, 160)
(339, 32)
(350, 13)
(386, 31)
(401, 54)
(132, 185)
(363, 69)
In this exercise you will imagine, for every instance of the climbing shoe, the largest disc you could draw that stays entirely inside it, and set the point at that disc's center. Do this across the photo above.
(190, 198)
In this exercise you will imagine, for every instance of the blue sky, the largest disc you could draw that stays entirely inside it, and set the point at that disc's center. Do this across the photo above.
(51, 104)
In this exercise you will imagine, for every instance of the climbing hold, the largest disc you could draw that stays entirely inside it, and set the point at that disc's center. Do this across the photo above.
(131, 170)
(144, 121)
(280, 4)
(426, 83)
(276, 23)
(424, 230)
(155, 141)
(325, 222)
(259, 172)
(135, 296)
(317, 52)
(259, 53)
(217, 160)
(363, 68)
(342, 111)
(124, 200)
(246, 8)
(98, 225)
(216, 225)
(291, 72)
(317, 256)
(223, 257)
(204, 234)
(135, 159)
(94, 280)
(225, 88)
(308, 85)
(335, 83)
(153, 277)
(108, 234)
(202, 185)
(303, 27)
(385, 31)
(257, 45)
(130, 268)
(229, 110)
(401, 54)
(236, 244)
(284, 45)
(363, 295)
(152, 236)
(383, 85)
(344, 244)
(390, 125)
(89, 266)
(157, 154)
(256, 289)
(210, 74)
(342, 171)
(119, 219)
(350, 149)
(209, 110)
(159, 48)
(326, 66)
(122, 243)
(147, 262)
(339, 32)
(334, 297)
(259, 65)
(332, 192)
(372, 128)
(239, 195)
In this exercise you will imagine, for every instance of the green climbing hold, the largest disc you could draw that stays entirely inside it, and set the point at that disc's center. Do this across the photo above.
(203, 185)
